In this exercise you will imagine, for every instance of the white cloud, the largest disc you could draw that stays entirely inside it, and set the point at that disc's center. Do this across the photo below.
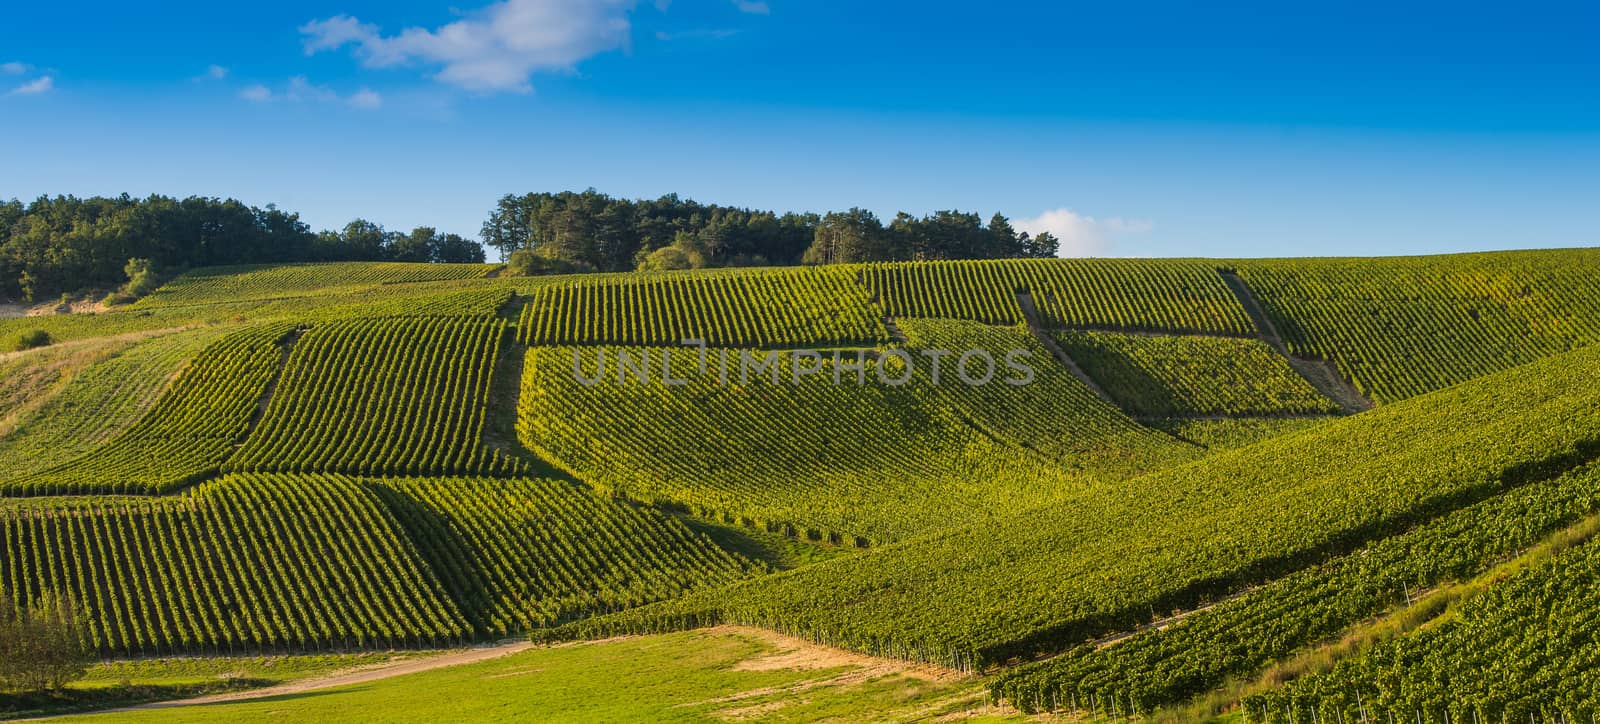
(34, 87)
(300, 89)
(1081, 235)
(757, 7)
(15, 68)
(493, 49)
(366, 99)
(215, 72)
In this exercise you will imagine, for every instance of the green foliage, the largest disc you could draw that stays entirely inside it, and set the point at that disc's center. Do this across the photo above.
(1241, 636)
(31, 340)
(749, 308)
(89, 405)
(394, 396)
(1166, 376)
(1526, 649)
(1109, 557)
(234, 283)
(522, 554)
(936, 455)
(42, 644)
(253, 562)
(1399, 327)
(186, 435)
(1128, 294)
(1232, 432)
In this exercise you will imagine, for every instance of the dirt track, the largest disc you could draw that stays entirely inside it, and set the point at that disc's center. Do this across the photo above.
(344, 678)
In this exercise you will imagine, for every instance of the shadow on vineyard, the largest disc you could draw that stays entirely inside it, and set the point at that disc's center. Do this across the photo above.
(1171, 516)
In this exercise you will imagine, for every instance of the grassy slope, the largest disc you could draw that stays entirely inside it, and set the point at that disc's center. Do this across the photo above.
(95, 403)
(684, 677)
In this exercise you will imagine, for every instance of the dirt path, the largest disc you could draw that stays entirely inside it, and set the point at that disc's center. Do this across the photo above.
(1320, 373)
(1031, 314)
(344, 678)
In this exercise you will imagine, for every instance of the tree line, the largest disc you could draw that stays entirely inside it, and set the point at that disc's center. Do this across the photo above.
(66, 244)
(591, 231)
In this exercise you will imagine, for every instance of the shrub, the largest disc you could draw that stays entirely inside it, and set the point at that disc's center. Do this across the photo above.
(42, 647)
(31, 340)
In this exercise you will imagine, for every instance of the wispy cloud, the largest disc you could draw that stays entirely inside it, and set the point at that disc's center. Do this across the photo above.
(495, 49)
(214, 72)
(15, 68)
(365, 98)
(299, 89)
(716, 34)
(1081, 235)
(756, 7)
(43, 84)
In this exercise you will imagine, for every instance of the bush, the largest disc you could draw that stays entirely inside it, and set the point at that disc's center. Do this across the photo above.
(31, 340)
(42, 647)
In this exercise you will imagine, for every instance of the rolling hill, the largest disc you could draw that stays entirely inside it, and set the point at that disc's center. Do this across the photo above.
(1214, 470)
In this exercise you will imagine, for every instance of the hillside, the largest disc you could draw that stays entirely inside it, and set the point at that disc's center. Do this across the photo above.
(1222, 465)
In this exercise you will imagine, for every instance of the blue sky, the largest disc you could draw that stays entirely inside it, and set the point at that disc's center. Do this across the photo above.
(1140, 128)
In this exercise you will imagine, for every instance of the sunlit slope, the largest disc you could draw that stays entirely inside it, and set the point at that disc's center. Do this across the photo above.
(187, 434)
(257, 561)
(392, 396)
(828, 455)
(1527, 648)
(777, 307)
(1403, 326)
(93, 404)
(1178, 375)
(211, 285)
(1158, 295)
(1109, 556)
(1238, 639)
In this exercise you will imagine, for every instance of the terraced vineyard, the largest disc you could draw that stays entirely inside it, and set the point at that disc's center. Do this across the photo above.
(755, 308)
(394, 396)
(1240, 637)
(1094, 486)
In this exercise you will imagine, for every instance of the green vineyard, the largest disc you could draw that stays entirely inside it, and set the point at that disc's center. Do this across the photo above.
(386, 397)
(229, 284)
(524, 554)
(186, 436)
(1173, 376)
(758, 308)
(1401, 327)
(247, 562)
(1107, 558)
(1101, 488)
(1165, 296)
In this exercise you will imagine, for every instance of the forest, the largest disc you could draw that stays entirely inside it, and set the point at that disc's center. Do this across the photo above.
(66, 244)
